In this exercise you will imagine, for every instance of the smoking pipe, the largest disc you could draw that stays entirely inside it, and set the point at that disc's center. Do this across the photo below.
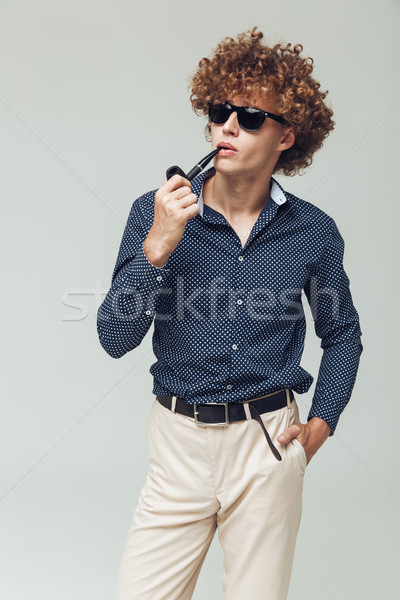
(175, 170)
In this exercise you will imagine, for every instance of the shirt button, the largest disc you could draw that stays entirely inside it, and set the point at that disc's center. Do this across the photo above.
(159, 278)
(234, 346)
(240, 301)
(240, 258)
(229, 386)
(148, 312)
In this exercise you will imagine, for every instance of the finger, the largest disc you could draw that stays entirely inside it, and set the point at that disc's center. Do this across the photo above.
(289, 433)
(188, 200)
(181, 192)
(176, 182)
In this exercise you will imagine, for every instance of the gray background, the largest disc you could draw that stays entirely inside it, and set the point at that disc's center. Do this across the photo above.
(94, 107)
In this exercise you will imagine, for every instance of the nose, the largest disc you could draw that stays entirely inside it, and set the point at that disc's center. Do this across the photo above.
(231, 125)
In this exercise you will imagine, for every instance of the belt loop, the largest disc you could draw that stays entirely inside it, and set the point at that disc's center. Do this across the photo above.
(247, 411)
(288, 408)
(173, 404)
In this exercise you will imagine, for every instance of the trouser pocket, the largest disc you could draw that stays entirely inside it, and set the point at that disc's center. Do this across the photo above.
(300, 448)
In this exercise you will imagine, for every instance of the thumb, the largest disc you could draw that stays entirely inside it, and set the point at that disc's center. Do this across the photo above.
(289, 433)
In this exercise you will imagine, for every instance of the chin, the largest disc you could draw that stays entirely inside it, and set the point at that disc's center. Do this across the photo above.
(230, 169)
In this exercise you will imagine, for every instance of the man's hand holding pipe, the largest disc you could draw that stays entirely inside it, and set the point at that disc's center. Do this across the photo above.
(174, 205)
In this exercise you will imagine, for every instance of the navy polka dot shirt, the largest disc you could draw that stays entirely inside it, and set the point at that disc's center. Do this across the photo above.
(228, 319)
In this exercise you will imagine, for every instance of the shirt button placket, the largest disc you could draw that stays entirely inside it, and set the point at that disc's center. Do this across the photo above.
(239, 301)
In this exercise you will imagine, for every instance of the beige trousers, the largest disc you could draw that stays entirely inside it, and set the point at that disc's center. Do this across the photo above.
(203, 478)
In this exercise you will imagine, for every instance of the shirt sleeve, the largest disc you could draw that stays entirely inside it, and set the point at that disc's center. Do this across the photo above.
(128, 310)
(336, 322)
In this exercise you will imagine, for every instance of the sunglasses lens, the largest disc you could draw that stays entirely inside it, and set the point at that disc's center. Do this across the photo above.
(251, 119)
(219, 113)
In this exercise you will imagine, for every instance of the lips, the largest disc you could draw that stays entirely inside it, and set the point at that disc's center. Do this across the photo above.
(226, 146)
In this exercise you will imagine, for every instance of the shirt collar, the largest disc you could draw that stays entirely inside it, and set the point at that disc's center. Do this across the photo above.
(277, 192)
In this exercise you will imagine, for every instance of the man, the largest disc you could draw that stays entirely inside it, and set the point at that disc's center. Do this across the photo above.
(219, 264)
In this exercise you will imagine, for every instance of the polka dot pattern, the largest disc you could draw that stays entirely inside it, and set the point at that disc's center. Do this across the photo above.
(228, 320)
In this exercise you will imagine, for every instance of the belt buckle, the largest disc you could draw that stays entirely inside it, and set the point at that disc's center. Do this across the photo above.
(226, 422)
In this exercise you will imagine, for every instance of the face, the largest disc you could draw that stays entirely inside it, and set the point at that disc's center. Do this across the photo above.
(251, 154)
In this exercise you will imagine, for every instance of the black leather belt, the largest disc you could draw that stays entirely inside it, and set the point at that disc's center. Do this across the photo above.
(223, 413)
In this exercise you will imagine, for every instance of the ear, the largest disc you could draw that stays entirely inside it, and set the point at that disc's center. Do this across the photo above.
(288, 138)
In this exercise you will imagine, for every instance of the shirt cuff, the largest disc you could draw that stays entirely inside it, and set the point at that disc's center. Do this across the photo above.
(142, 272)
(138, 285)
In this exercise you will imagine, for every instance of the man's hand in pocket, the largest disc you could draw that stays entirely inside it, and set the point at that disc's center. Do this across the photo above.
(311, 435)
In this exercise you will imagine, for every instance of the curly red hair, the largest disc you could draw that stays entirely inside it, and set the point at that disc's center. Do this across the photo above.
(246, 67)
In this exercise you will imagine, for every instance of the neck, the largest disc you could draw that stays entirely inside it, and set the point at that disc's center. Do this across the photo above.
(236, 197)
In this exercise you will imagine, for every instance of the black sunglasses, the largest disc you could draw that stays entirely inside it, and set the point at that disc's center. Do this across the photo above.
(250, 119)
